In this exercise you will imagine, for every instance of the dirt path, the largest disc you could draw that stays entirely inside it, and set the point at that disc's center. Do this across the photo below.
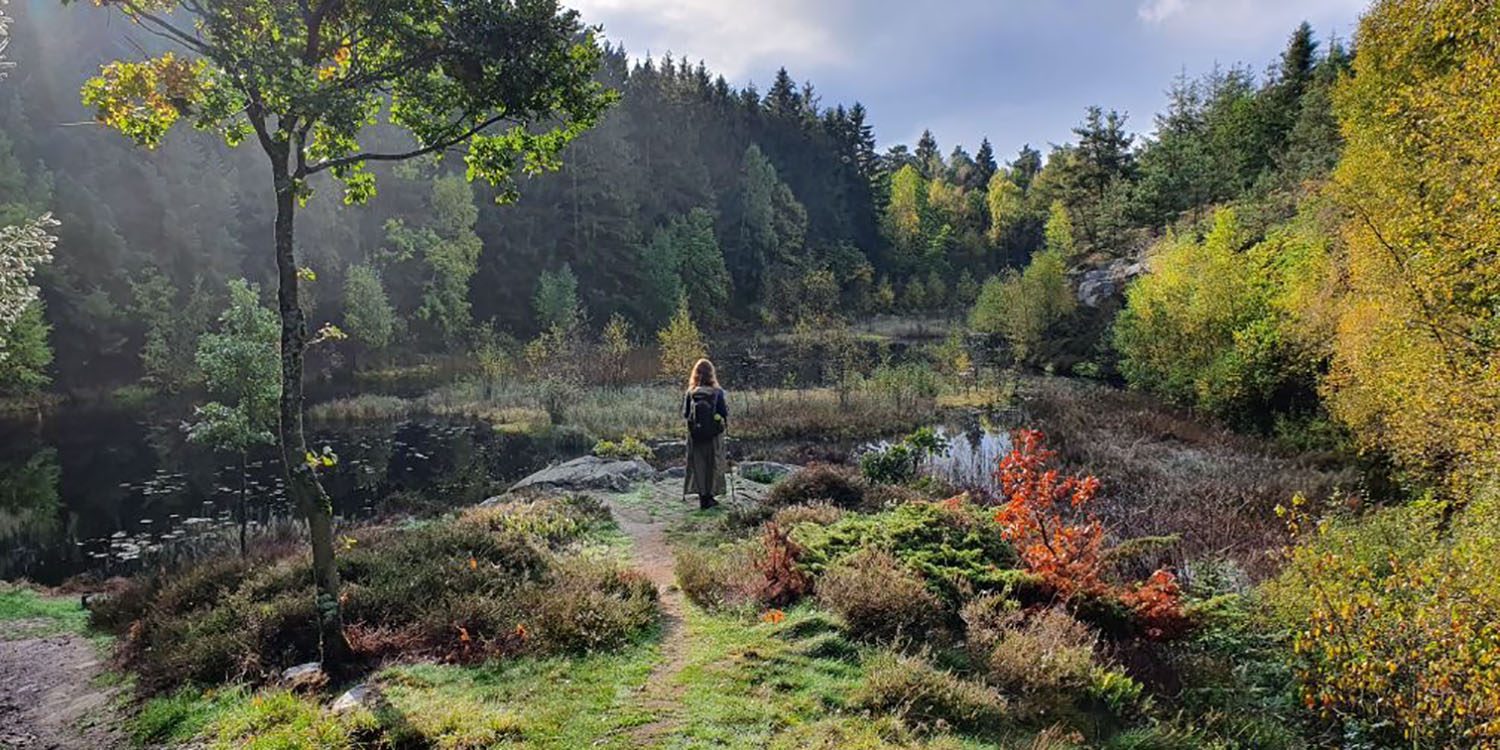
(661, 694)
(48, 695)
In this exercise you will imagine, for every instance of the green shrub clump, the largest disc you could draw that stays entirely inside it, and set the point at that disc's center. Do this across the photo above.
(927, 698)
(628, 447)
(900, 462)
(879, 599)
(955, 546)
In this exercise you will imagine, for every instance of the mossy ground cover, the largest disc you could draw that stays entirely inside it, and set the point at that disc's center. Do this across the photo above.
(27, 613)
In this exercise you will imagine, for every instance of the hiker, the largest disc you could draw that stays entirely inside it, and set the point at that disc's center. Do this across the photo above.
(707, 414)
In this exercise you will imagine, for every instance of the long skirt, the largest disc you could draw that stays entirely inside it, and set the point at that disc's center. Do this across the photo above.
(706, 465)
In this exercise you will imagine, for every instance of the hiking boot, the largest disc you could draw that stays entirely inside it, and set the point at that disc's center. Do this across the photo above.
(707, 502)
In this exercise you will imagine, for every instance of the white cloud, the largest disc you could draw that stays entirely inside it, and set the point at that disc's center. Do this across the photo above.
(1243, 20)
(1156, 11)
(735, 39)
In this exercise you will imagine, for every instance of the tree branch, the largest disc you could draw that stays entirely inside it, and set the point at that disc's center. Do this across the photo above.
(167, 29)
(441, 145)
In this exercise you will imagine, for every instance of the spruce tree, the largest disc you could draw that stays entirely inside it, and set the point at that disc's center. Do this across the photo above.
(984, 162)
(929, 159)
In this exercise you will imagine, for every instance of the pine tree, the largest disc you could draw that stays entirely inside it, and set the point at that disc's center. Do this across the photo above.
(1026, 166)
(984, 162)
(929, 159)
(782, 100)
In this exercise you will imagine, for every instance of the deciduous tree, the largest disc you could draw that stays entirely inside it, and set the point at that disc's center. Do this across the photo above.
(508, 83)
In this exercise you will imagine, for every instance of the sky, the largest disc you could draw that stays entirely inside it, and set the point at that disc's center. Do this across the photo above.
(1015, 71)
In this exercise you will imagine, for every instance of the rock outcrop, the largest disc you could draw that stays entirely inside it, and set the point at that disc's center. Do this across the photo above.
(588, 473)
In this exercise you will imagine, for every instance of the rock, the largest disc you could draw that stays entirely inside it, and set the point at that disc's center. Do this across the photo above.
(363, 695)
(1098, 285)
(673, 472)
(765, 469)
(304, 677)
(588, 473)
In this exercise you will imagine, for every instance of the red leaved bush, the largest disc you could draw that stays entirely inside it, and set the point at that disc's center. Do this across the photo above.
(782, 582)
(1157, 603)
(1045, 515)
(1042, 514)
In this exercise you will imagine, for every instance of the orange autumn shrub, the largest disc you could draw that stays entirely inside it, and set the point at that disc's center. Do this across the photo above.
(1045, 514)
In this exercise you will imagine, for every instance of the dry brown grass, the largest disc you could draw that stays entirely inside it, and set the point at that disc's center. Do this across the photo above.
(1166, 473)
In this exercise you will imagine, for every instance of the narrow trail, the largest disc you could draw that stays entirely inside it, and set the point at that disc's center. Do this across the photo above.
(48, 695)
(661, 693)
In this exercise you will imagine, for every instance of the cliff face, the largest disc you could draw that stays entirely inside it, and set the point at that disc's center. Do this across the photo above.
(1097, 285)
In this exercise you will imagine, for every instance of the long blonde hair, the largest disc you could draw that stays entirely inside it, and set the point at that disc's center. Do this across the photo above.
(703, 374)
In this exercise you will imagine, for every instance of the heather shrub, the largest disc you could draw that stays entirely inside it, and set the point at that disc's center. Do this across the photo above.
(835, 485)
(986, 620)
(820, 514)
(489, 583)
(927, 698)
(879, 599)
(955, 546)
(1043, 657)
(715, 578)
(588, 605)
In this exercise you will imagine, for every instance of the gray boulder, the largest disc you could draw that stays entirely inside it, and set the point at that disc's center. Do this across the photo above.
(767, 469)
(1098, 285)
(304, 677)
(588, 473)
(363, 695)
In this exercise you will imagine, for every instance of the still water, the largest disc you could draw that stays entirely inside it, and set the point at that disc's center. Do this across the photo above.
(106, 492)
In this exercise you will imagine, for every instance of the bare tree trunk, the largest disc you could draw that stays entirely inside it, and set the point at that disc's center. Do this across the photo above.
(301, 481)
(244, 511)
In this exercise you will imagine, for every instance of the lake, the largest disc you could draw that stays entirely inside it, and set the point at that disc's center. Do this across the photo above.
(105, 491)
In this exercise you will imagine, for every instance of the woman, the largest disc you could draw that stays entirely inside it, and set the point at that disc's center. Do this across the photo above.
(707, 414)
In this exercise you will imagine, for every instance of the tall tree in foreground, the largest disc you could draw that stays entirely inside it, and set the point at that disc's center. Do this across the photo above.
(506, 83)
(1416, 365)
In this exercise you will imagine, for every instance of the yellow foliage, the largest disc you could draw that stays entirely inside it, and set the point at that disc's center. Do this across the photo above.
(1395, 625)
(1416, 366)
(681, 344)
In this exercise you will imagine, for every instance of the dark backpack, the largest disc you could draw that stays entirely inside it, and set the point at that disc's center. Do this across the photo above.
(703, 421)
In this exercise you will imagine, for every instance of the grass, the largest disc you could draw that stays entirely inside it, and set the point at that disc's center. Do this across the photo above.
(649, 411)
(561, 702)
(26, 613)
(743, 683)
(364, 407)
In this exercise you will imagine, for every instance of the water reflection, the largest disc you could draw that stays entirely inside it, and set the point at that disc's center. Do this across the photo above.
(29, 506)
(975, 443)
(106, 493)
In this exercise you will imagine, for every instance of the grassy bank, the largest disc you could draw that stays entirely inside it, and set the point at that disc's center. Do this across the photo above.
(649, 411)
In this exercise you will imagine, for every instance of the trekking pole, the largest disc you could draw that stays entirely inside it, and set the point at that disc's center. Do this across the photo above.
(732, 491)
